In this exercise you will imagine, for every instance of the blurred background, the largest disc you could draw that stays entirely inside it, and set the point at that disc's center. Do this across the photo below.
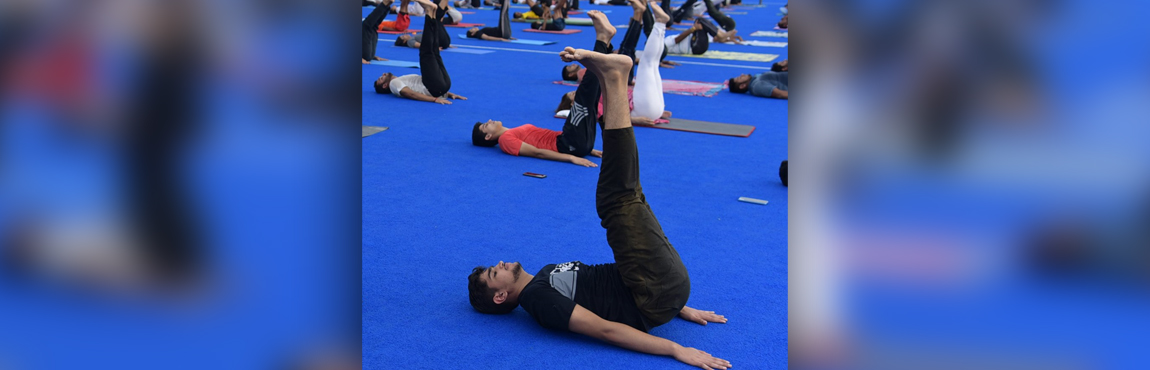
(971, 184)
(177, 189)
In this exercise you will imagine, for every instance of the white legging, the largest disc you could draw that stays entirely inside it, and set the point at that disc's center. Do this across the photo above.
(648, 96)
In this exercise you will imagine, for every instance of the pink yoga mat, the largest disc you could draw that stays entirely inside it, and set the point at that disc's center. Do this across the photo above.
(678, 87)
(464, 25)
(399, 32)
(563, 32)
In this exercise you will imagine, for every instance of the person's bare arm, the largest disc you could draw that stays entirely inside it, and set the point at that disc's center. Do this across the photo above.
(416, 44)
(588, 323)
(408, 93)
(528, 150)
(684, 35)
(452, 95)
(491, 38)
(779, 94)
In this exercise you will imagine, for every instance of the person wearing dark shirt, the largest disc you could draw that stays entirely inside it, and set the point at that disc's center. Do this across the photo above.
(618, 303)
(766, 84)
(501, 33)
(370, 34)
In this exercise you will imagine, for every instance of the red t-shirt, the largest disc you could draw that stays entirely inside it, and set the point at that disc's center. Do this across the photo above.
(541, 138)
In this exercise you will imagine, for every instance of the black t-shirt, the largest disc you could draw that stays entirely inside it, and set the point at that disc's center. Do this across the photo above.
(489, 31)
(551, 296)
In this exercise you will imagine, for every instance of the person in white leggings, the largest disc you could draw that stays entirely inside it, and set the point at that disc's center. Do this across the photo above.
(648, 94)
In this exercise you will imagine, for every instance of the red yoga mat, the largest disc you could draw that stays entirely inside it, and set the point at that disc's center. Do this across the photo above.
(563, 32)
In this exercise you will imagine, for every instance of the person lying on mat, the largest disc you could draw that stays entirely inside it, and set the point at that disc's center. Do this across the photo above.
(639, 20)
(646, 101)
(578, 136)
(434, 83)
(370, 36)
(697, 39)
(416, 39)
(572, 144)
(620, 302)
(779, 66)
(766, 84)
(500, 33)
(468, 4)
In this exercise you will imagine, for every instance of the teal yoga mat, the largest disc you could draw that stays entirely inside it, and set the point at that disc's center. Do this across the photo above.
(522, 41)
(395, 63)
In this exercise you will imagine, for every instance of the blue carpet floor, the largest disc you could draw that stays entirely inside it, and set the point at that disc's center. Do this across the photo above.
(434, 207)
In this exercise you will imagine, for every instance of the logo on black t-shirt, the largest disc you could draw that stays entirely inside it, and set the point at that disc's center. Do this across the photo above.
(564, 267)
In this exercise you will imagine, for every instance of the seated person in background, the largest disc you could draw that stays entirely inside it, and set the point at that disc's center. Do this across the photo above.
(766, 84)
(550, 22)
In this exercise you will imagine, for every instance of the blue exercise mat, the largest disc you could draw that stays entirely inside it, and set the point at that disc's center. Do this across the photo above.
(469, 51)
(396, 63)
(522, 41)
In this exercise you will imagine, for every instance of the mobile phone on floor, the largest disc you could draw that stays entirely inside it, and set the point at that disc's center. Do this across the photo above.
(535, 175)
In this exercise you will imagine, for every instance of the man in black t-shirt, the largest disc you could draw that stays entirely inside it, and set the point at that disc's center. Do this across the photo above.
(647, 286)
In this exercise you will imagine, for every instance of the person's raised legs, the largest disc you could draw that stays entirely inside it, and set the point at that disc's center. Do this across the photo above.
(612, 70)
(604, 31)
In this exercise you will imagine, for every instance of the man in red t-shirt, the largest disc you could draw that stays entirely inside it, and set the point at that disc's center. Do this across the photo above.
(571, 145)
(578, 136)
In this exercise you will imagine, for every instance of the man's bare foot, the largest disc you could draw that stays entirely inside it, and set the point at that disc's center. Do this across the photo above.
(640, 6)
(601, 64)
(380, 59)
(428, 6)
(604, 31)
(364, 61)
(660, 16)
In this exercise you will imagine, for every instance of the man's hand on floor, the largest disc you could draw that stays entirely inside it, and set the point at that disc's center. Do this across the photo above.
(701, 317)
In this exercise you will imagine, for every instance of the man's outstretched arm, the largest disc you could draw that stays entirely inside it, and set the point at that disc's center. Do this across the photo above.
(528, 150)
(588, 323)
(408, 93)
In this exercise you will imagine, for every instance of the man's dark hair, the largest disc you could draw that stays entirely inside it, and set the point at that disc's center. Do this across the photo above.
(482, 296)
(478, 138)
(570, 76)
(473, 34)
(399, 42)
(776, 67)
(379, 89)
(734, 87)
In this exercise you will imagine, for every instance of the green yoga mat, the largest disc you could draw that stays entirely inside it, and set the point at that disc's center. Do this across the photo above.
(372, 130)
(732, 55)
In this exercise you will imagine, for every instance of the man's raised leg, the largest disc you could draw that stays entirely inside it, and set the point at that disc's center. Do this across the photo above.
(647, 262)
(578, 136)
(432, 71)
